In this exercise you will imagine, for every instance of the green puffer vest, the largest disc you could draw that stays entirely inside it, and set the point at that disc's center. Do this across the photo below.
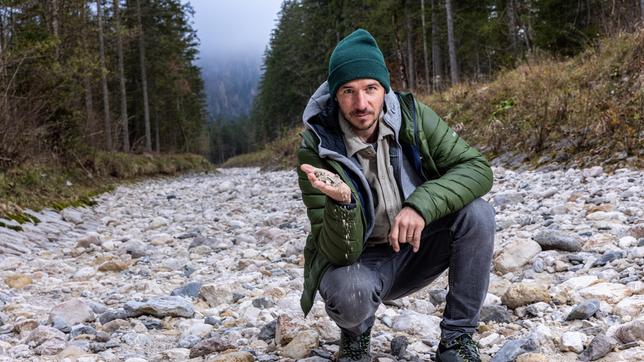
(454, 174)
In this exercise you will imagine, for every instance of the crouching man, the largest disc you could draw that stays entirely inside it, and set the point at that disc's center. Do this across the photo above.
(393, 197)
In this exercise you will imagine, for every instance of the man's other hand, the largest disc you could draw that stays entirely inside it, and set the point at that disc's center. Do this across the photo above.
(328, 182)
(408, 225)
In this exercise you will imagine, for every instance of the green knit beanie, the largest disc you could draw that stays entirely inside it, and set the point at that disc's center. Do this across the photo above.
(356, 57)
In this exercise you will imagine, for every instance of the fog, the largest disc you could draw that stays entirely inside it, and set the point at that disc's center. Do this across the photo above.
(234, 28)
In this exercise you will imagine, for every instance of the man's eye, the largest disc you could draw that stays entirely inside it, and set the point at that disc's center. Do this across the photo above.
(347, 91)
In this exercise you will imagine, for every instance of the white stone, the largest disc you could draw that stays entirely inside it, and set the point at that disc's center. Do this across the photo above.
(626, 242)
(609, 292)
(492, 338)
(516, 254)
(630, 306)
(573, 342)
(637, 252)
(577, 283)
(491, 299)
(194, 327)
(416, 323)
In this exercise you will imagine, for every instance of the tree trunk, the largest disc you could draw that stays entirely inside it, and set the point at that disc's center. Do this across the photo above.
(87, 82)
(422, 13)
(119, 47)
(436, 50)
(453, 65)
(55, 25)
(106, 97)
(411, 67)
(144, 81)
(642, 12)
(399, 53)
(512, 26)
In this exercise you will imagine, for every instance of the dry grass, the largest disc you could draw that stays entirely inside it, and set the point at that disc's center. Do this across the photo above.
(586, 110)
(36, 185)
(279, 154)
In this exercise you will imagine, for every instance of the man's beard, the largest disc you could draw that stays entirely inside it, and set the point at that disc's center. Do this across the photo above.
(365, 127)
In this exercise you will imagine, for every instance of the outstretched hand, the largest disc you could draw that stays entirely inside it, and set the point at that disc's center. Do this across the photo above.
(328, 182)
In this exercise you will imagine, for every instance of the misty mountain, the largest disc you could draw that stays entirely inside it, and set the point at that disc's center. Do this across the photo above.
(230, 84)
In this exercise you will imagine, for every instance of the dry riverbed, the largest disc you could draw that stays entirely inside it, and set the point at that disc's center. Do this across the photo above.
(208, 267)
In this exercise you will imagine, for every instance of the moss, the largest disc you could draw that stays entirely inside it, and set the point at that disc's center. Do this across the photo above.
(59, 185)
(12, 227)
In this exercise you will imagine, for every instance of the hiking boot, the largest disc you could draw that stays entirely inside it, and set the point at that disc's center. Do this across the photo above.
(460, 349)
(355, 348)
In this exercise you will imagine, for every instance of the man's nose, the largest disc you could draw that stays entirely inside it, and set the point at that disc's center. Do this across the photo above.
(360, 100)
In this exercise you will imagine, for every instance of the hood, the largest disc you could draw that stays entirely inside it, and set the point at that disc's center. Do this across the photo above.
(321, 103)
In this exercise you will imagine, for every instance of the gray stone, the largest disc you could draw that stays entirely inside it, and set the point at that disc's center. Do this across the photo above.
(598, 348)
(61, 325)
(584, 310)
(136, 248)
(210, 345)
(160, 307)
(631, 331)
(72, 312)
(558, 240)
(513, 348)
(495, 313)
(42, 334)
(267, 332)
(213, 321)
(50, 347)
(399, 346)
(608, 256)
(437, 296)
(503, 199)
(189, 290)
(113, 314)
(263, 303)
(80, 329)
(189, 341)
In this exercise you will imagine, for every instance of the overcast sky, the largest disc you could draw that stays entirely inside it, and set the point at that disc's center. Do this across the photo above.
(234, 27)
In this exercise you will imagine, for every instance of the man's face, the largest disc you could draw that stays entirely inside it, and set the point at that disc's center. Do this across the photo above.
(361, 102)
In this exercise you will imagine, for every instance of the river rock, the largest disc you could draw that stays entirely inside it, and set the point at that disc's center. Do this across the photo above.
(42, 334)
(608, 292)
(191, 290)
(598, 348)
(557, 240)
(211, 345)
(233, 357)
(495, 313)
(216, 294)
(17, 281)
(630, 332)
(301, 345)
(513, 348)
(72, 312)
(584, 310)
(161, 307)
(523, 294)
(113, 266)
(572, 341)
(630, 306)
(416, 323)
(516, 254)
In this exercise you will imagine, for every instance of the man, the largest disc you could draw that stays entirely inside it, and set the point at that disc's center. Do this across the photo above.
(392, 194)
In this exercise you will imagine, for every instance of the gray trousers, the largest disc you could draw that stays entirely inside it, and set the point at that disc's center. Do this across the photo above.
(462, 241)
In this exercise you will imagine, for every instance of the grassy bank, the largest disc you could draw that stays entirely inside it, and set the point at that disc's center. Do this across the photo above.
(36, 185)
(575, 113)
